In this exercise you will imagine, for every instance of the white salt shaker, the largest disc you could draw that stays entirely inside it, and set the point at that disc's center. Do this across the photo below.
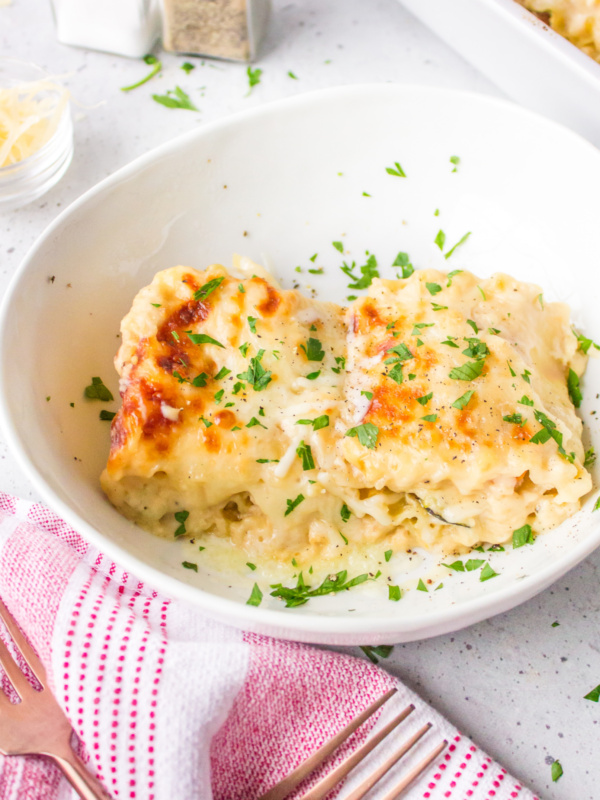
(230, 29)
(126, 27)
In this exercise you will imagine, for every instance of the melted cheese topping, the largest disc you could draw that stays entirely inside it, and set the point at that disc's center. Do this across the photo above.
(577, 20)
(286, 423)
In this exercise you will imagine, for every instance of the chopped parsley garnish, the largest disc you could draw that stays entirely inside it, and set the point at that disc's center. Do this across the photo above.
(292, 504)
(433, 288)
(449, 341)
(241, 288)
(418, 326)
(98, 391)
(312, 376)
(256, 595)
(430, 417)
(456, 161)
(338, 246)
(237, 387)
(421, 586)
(341, 364)
(486, 573)
(251, 565)
(458, 244)
(401, 353)
(313, 350)
(473, 325)
(512, 372)
(317, 271)
(106, 415)
(516, 419)
(402, 260)
(594, 695)
(388, 554)
(473, 564)
(203, 338)
(476, 349)
(301, 593)
(317, 424)
(556, 771)
(291, 75)
(453, 274)
(525, 375)
(368, 272)
(254, 422)
(175, 98)
(219, 396)
(208, 288)
(437, 307)
(253, 77)
(366, 433)
(494, 331)
(540, 297)
(190, 565)
(382, 650)
(304, 453)
(525, 401)
(425, 399)
(457, 566)
(343, 537)
(596, 504)
(267, 461)
(187, 67)
(156, 65)
(368, 395)
(156, 305)
(252, 324)
(522, 536)
(467, 372)
(463, 400)
(175, 335)
(243, 348)
(481, 292)
(181, 517)
(394, 593)
(256, 374)
(222, 373)
(345, 513)
(207, 423)
(573, 387)
(549, 431)
(583, 343)
(440, 239)
(396, 170)
(589, 460)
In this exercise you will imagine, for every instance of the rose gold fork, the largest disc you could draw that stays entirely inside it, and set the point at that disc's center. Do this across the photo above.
(326, 784)
(37, 724)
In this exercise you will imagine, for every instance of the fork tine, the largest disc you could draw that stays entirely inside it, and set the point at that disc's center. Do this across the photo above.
(23, 645)
(416, 771)
(287, 785)
(13, 672)
(326, 784)
(369, 782)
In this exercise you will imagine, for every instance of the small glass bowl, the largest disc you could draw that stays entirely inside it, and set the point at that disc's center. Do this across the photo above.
(26, 180)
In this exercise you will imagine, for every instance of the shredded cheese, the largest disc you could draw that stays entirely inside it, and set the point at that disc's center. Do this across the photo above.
(29, 116)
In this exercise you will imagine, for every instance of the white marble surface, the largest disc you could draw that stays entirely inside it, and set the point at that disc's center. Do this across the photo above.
(514, 683)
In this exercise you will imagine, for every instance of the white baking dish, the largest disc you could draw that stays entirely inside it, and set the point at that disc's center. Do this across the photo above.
(522, 55)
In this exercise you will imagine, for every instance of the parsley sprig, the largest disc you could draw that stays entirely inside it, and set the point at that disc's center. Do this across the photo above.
(301, 593)
(256, 374)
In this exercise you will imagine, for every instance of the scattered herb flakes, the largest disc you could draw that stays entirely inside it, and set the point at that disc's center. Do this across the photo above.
(219, 396)
(341, 364)
(467, 372)
(522, 536)
(181, 517)
(97, 391)
(453, 274)
(304, 453)
(473, 564)
(368, 395)
(549, 431)
(449, 342)
(463, 400)
(583, 343)
(256, 595)
(317, 424)
(573, 387)
(312, 376)
(156, 305)
(473, 325)
(395, 593)
(267, 461)
(292, 504)
(382, 650)
(156, 65)
(457, 566)
(388, 554)
(254, 422)
(253, 77)
(243, 348)
(540, 297)
(486, 573)
(366, 433)
(313, 350)
(437, 307)
(597, 504)
(556, 771)
(175, 335)
(345, 513)
(402, 260)
(525, 375)
(301, 593)
(594, 695)
(241, 288)
(252, 324)
(421, 586)
(292, 76)
(203, 338)
(433, 288)
(187, 67)
(476, 349)
(456, 161)
(256, 374)
(589, 460)
(401, 353)
(525, 401)
(462, 240)
(555, 624)
(317, 271)
(175, 98)
(208, 288)
(190, 565)
(368, 271)
(313, 258)
(251, 565)
(418, 326)
(105, 415)
(481, 292)
(512, 372)
(516, 419)
(396, 170)
(440, 239)
(425, 399)
(366, 194)
(429, 417)
(338, 246)
(207, 423)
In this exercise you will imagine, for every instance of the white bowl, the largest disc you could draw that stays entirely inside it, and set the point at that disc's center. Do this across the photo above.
(286, 180)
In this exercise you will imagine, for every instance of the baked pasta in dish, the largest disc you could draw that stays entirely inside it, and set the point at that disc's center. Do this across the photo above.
(435, 411)
(576, 20)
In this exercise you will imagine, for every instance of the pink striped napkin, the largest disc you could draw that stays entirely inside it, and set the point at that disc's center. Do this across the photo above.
(169, 704)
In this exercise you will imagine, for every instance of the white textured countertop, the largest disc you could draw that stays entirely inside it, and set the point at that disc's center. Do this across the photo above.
(513, 683)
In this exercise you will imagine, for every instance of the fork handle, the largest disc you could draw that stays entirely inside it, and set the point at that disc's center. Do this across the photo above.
(81, 779)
